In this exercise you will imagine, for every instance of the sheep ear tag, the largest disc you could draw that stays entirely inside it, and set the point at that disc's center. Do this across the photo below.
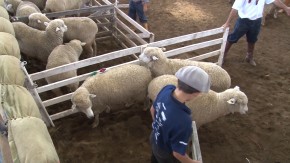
(237, 88)
(154, 58)
(45, 23)
(92, 96)
(57, 29)
(231, 101)
(73, 106)
(38, 21)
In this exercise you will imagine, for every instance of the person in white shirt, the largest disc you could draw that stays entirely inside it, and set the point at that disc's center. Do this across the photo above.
(250, 14)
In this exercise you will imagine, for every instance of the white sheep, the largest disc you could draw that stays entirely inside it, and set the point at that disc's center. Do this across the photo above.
(25, 8)
(116, 88)
(39, 44)
(159, 64)
(61, 55)
(9, 45)
(39, 3)
(270, 10)
(10, 70)
(4, 13)
(206, 107)
(80, 28)
(6, 26)
(56, 5)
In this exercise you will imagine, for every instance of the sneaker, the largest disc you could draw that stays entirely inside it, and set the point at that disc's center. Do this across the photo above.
(250, 61)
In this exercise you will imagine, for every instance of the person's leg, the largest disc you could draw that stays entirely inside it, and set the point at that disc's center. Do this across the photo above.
(240, 29)
(153, 158)
(252, 38)
(250, 54)
(141, 14)
(132, 10)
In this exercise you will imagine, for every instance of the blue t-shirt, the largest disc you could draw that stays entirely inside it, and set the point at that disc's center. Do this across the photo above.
(172, 125)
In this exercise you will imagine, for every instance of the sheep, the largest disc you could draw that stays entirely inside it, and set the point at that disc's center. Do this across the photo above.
(206, 107)
(61, 55)
(119, 86)
(160, 65)
(80, 28)
(270, 10)
(56, 5)
(26, 8)
(39, 44)
(39, 3)
(4, 13)
(6, 26)
(10, 70)
(9, 45)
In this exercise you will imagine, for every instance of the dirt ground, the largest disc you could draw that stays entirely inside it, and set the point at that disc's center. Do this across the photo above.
(260, 136)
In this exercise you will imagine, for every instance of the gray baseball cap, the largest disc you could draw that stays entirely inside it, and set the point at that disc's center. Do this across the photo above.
(195, 77)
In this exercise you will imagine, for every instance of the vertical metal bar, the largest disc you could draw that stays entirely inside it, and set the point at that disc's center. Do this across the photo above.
(196, 153)
(35, 95)
(223, 46)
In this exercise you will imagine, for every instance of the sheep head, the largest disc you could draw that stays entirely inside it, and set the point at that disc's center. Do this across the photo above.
(238, 101)
(56, 24)
(81, 100)
(37, 20)
(151, 54)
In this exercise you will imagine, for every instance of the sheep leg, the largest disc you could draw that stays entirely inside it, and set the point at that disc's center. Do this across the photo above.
(96, 121)
(88, 50)
(57, 91)
(94, 45)
(147, 104)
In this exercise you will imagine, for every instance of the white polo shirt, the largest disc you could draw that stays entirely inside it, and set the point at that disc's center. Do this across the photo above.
(250, 10)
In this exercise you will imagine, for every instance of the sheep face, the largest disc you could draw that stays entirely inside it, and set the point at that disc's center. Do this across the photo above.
(151, 54)
(81, 100)
(36, 20)
(58, 24)
(239, 102)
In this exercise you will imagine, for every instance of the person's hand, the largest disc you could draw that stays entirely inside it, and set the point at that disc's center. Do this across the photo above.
(226, 25)
(145, 7)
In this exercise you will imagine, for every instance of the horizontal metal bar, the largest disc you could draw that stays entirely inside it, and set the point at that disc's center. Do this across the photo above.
(193, 47)
(85, 62)
(184, 38)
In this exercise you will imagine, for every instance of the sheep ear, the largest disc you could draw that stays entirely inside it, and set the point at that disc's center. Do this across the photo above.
(154, 58)
(57, 29)
(92, 95)
(83, 44)
(9, 6)
(232, 101)
(163, 49)
(45, 23)
(38, 21)
(237, 88)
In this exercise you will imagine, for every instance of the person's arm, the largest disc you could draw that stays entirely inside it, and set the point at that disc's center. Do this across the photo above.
(152, 112)
(283, 6)
(184, 158)
(232, 14)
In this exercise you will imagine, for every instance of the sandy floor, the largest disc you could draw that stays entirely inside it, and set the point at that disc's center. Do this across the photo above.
(261, 136)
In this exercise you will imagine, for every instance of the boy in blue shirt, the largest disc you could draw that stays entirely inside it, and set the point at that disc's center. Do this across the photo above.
(172, 118)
